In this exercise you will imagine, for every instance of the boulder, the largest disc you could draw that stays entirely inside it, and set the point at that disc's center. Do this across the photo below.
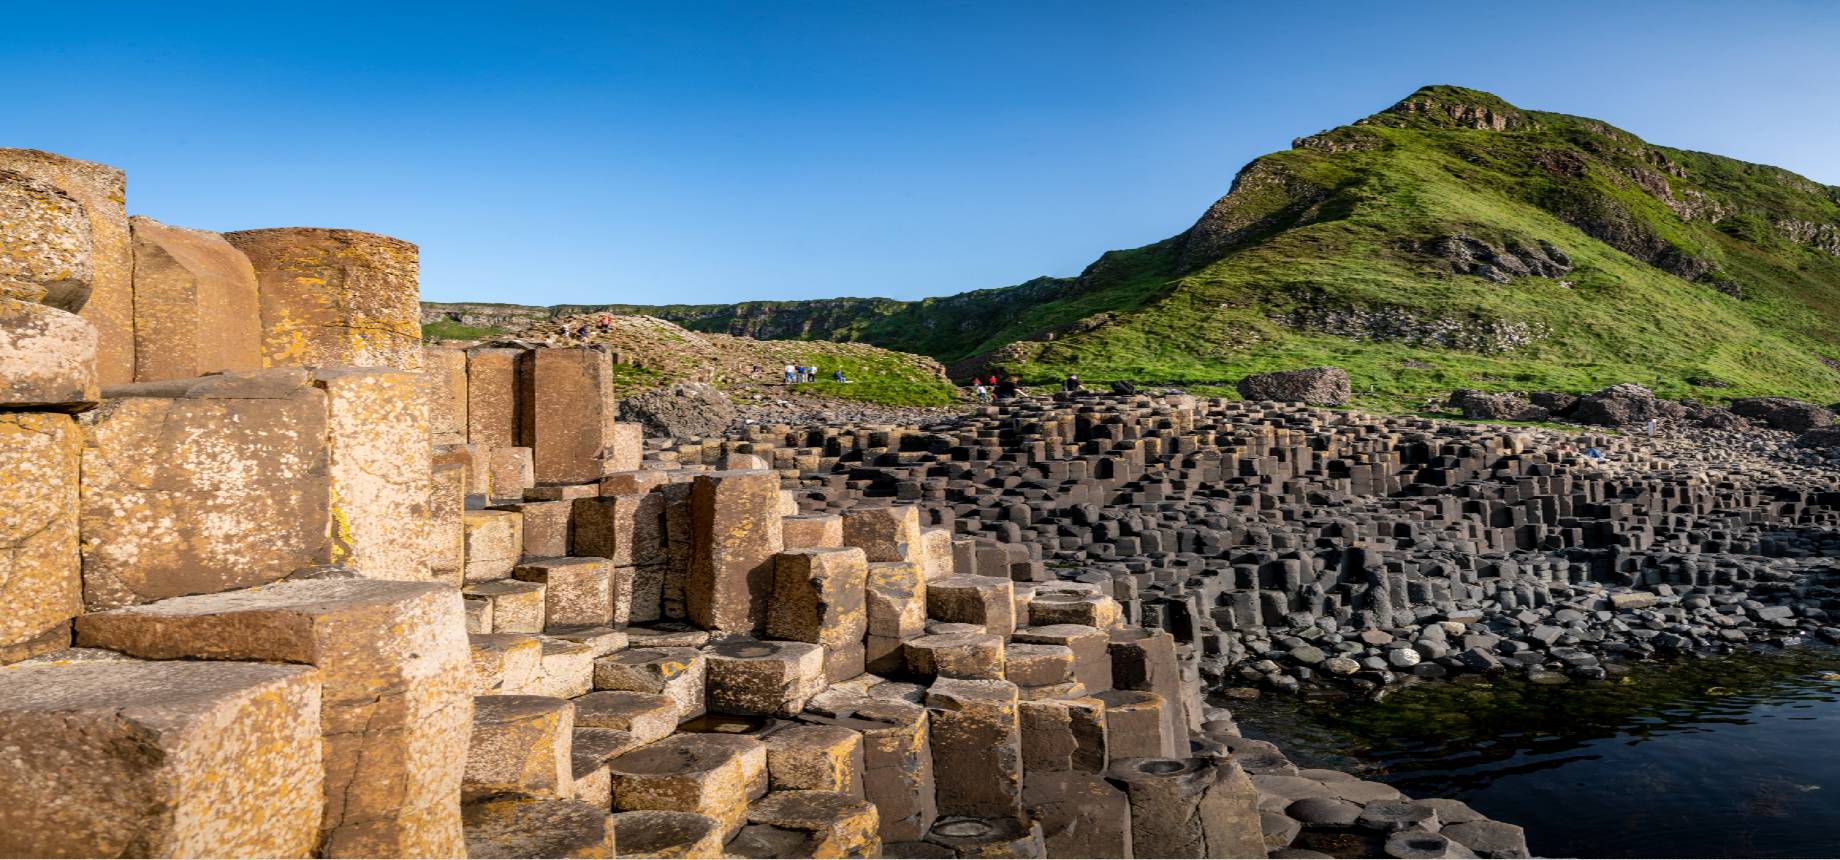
(1317, 386)
(681, 411)
(1557, 403)
(1820, 437)
(1783, 413)
(1496, 406)
(1623, 403)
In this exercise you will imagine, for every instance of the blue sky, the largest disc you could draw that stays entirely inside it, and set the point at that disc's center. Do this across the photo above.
(710, 152)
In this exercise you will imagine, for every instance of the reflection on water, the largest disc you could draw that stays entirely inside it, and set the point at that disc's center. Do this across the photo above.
(1729, 757)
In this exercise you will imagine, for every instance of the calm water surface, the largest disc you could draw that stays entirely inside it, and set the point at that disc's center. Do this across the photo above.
(1726, 757)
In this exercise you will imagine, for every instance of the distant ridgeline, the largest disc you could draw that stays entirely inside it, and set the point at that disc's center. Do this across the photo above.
(1452, 240)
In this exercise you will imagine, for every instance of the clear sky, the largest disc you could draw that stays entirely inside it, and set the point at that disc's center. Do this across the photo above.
(704, 152)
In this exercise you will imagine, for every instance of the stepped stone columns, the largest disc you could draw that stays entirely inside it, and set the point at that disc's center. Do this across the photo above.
(195, 304)
(397, 704)
(735, 532)
(1145, 660)
(335, 297)
(123, 758)
(108, 304)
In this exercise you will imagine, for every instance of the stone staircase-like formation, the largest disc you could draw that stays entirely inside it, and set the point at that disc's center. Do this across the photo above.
(281, 581)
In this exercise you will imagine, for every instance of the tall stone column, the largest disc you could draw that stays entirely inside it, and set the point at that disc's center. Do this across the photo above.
(735, 532)
(195, 304)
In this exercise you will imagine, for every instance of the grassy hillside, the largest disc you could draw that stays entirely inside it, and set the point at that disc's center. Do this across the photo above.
(1453, 240)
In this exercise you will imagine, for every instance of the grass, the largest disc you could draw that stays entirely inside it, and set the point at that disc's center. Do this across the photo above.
(451, 330)
(875, 378)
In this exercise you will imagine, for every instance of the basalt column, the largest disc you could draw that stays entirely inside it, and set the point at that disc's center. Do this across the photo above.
(195, 304)
(335, 297)
(735, 532)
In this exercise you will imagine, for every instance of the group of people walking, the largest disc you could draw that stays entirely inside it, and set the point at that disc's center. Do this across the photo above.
(795, 373)
(986, 387)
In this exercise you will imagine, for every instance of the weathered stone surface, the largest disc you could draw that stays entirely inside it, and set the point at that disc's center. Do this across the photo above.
(771, 678)
(443, 386)
(47, 359)
(1081, 815)
(1189, 808)
(1317, 386)
(815, 758)
(833, 824)
(977, 747)
(818, 597)
(512, 471)
(566, 413)
(47, 248)
(195, 305)
(378, 463)
(492, 396)
(885, 533)
(677, 673)
(494, 542)
(40, 579)
(397, 698)
(520, 744)
(169, 759)
(666, 835)
(241, 459)
(447, 523)
(520, 827)
(897, 765)
(335, 297)
(102, 191)
(685, 773)
(576, 591)
(647, 716)
(735, 525)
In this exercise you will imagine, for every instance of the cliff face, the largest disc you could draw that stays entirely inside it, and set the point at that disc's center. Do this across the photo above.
(1451, 240)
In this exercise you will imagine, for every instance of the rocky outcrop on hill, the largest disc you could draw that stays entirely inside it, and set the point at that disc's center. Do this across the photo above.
(1497, 406)
(686, 410)
(1620, 404)
(1783, 413)
(1317, 386)
(1468, 255)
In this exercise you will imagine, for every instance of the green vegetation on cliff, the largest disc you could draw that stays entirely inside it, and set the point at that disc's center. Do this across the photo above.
(1453, 240)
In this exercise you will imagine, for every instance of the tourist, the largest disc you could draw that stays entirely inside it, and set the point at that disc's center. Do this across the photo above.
(789, 374)
(983, 394)
(1007, 388)
(836, 376)
(1071, 384)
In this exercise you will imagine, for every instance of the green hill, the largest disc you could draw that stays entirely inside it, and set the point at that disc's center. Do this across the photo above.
(1452, 240)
